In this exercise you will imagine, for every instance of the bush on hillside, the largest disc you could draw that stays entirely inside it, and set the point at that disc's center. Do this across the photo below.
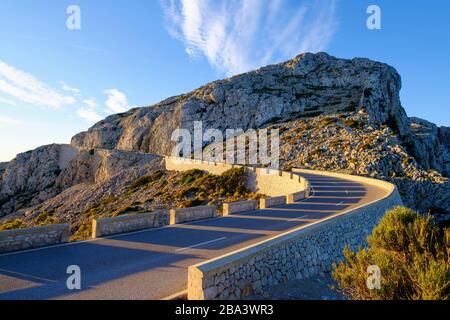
(13, 224)
(412, 254)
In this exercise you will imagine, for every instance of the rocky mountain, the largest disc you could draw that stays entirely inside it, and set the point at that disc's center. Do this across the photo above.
(296, 95)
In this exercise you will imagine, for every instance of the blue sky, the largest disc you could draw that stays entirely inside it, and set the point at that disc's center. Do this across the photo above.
(55, 82)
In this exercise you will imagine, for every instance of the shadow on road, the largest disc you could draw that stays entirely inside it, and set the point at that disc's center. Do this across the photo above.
(168, 250)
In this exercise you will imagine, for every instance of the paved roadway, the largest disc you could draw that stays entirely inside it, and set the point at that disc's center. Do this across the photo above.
(152, 264)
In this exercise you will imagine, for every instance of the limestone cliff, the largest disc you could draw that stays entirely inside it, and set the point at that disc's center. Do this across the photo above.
(308, 85)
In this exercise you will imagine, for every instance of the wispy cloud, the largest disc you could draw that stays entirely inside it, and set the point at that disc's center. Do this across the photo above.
(117, 101)
(8, 120)
(90, 111)
(89, 114)
(237, 36)
(70, 89)
(26, 88)
(90, 102)
(7, 101)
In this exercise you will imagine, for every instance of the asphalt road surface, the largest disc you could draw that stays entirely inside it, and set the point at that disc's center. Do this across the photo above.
(152, 264)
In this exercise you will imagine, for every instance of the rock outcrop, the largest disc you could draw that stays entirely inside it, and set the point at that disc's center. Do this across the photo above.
(31, 177)
(306, 86)
(436, 144)
(348, 143)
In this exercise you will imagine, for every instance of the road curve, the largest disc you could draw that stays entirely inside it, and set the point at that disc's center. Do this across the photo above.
(152, 264)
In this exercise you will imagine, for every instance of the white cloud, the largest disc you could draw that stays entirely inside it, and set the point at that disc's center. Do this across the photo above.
(26, 88)
(8, 120)
(70, 89)
(89, 114)
(90, 102)
(117, 101)
(7, 101)
(237, 36)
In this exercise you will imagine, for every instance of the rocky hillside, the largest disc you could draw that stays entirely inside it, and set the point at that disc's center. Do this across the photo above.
(349, 143)
(36, 176)
(336, 114)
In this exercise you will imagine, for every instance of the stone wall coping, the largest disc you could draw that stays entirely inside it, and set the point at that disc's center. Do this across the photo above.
(240, 202)
(274, 198)
(34, 230)
(300, 193)
(127, 217)
(371, 181)
(239, 206)
(191, 209)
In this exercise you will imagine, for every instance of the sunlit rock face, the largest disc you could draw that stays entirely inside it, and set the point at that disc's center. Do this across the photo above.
(307, 86)
(41, 174)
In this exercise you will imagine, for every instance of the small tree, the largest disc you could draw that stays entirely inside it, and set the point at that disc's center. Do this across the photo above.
(412, 254)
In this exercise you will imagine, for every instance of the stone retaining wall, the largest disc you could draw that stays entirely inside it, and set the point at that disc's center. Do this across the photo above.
(274, 183)
(239, 206)
(301, 253)
(265, 203)
(192, 214)
(23, 239)
(127, 223)
(184, 164)
(295, 197)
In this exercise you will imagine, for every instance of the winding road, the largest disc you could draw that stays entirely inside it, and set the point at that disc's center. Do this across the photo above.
(153, 264)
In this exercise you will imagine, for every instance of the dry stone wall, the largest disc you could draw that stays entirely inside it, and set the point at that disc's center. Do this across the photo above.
(192, 214)
(23, 239)
(127, 223)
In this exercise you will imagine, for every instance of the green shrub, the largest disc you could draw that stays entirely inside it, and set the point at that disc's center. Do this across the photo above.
(191, 203)
(13, 224)
(412, 253)
(191, 176)
(82, 231)
(145, 181)
(201, 188)
(46, 219)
